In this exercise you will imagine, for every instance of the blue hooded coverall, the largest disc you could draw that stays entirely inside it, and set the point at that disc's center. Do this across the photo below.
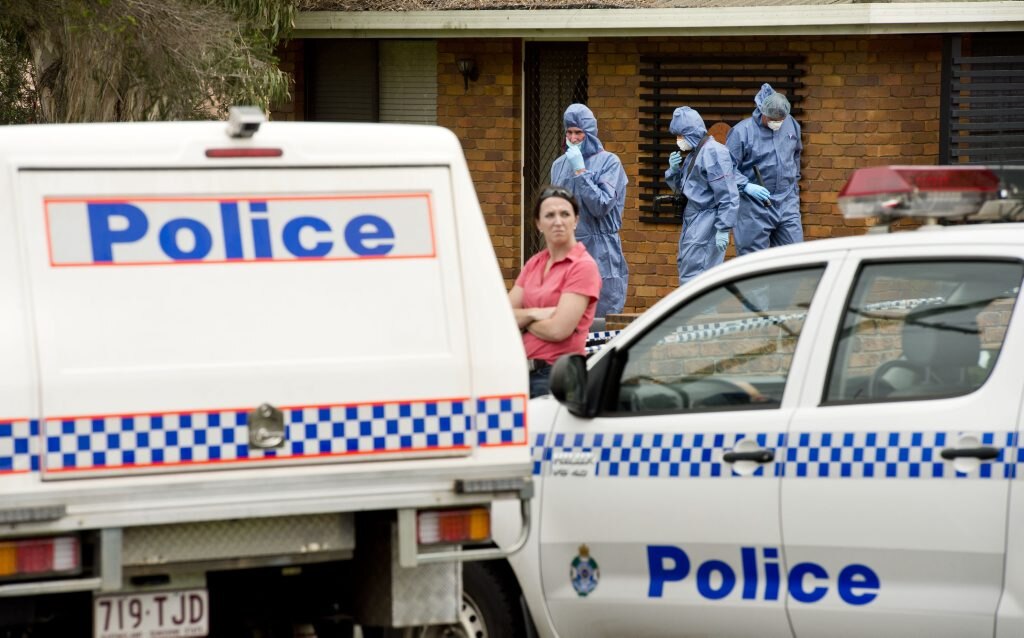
(601, 193)
(777, 155)
(711, 191)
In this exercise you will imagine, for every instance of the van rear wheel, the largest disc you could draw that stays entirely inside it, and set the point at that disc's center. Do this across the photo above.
(490, 609)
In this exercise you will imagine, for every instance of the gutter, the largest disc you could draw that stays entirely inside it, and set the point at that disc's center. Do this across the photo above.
(833, 19)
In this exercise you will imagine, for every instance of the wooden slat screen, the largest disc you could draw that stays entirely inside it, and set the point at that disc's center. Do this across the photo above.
(983, 111)
(720, 88)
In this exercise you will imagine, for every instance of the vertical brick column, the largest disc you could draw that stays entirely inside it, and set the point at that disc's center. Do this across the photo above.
(292, 61)
(487, 118)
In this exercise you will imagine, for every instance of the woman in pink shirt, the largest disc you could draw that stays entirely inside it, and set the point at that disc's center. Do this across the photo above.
(555, 295)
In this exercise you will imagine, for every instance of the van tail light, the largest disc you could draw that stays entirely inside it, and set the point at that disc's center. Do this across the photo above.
(472, 525)
(928, 192)
(39, 557)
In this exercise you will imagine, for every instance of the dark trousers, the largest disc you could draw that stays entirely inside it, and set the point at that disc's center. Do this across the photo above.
(540, 382)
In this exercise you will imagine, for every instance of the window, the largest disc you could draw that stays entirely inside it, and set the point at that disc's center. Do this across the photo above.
(720, 87)
(982, 84)
(372, 81)
(730, 348)
(922, 330)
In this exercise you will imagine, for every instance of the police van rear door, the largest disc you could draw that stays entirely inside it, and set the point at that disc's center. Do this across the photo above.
(172, 302)
(895, 489)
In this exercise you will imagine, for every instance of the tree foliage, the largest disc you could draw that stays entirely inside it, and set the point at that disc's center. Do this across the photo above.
(120, 60)
(17, 99)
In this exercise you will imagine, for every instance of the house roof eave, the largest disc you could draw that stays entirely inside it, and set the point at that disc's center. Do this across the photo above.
(830, 19)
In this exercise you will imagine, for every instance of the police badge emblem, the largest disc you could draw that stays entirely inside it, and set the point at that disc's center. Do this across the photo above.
(584, 572)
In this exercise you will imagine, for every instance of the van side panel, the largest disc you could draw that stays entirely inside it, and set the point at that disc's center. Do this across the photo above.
(19, 428)
(494, 340)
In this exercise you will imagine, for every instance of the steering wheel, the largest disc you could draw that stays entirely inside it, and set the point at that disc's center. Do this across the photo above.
(637, 381)
(876, 382)
(727, 392)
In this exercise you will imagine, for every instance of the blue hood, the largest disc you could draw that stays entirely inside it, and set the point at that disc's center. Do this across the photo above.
(579, 116)
(689, 124)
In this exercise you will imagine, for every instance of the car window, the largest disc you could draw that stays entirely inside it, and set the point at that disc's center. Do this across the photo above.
(917, 330)
(730, 348)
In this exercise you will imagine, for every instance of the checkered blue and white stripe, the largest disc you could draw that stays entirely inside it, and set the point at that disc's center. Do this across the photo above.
(596, 340)
(890, 455)
(866, 455)
(705, 331)
(702, 331)
(501, 420)
(19, 446)
(649, 455)
(92, 443)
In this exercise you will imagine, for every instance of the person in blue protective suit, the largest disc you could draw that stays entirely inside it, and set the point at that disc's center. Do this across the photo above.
(595, 176)
(706, 178)
(766, 146)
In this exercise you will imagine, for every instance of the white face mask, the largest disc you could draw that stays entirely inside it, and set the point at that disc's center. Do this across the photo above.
(683, 144)
(568, 142)
(775, 125)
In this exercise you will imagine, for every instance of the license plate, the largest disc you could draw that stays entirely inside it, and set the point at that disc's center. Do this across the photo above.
(164, 614)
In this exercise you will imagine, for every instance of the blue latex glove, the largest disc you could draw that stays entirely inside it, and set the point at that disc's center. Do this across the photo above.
(722, 239)
(675, 159)
(575, 157)
(758, 192)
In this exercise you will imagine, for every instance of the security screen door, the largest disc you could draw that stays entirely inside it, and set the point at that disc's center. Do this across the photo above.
(555, 74)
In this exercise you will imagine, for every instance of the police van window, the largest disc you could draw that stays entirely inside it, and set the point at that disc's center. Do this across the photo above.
(728, 349)
(922, 330)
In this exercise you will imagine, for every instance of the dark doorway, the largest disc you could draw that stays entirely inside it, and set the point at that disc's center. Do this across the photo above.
(556, 76)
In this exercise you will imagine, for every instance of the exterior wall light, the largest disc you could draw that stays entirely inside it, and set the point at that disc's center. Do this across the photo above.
(467, 67)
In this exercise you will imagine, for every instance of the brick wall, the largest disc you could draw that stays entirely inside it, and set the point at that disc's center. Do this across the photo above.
(868, 101)
(878, 339)
(749, 353)
(292, 61)
(761, 356)
(487, 118)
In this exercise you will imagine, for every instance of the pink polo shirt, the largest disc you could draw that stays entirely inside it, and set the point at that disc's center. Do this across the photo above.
(577, 273)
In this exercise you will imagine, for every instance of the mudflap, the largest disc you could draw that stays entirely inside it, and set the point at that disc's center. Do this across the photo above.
(394, 596)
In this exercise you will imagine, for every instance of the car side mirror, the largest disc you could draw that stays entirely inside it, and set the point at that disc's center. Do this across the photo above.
(569, 383)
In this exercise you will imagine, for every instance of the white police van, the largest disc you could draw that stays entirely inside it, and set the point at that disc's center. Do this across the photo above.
(257, 380)
(815, 440)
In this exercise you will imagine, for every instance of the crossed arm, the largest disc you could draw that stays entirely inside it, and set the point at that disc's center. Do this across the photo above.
(553, 323)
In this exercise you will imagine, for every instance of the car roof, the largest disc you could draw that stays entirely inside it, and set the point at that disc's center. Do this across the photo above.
(958, 235)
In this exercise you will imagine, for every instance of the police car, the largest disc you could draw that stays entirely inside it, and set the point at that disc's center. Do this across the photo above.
(815, 440)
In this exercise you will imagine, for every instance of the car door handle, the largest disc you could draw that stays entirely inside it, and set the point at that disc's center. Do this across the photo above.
(759, 456)
(985, 453)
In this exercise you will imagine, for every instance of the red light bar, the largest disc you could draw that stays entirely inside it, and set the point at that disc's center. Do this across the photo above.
(917, 191)
(879, 180)
(221, 153)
